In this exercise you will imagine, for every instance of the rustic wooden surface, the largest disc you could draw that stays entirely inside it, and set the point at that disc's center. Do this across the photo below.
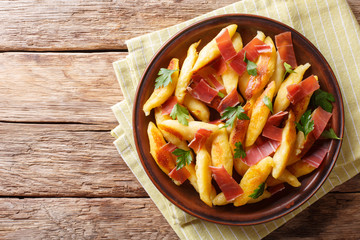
(61, 177)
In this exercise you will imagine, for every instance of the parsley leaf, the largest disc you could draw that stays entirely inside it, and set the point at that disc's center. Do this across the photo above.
(258, 192)
(239, 151)
(181, 113)
(231, 113)
(323, 99)
(288, 69)
(306, 125)
(268, 103)
(220, 94)
(250, 66)
(183, 158)
(330, 134)
(164, 77)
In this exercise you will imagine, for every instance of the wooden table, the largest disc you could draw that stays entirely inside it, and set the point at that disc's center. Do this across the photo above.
(60, 175)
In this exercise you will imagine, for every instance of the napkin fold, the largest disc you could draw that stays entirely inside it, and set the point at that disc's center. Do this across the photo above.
(329, 25)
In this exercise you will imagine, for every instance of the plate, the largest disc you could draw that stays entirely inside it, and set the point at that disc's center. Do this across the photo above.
(184, 196)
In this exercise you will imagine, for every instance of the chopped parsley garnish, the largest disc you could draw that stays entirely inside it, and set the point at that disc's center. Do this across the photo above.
(268, 103)
(183, 158)
(239, 151)
(220, 94)
(330, 134)
(306, 124)
(250, 66)
(181, 113)
(323, 99)
(164, 77)
(231, 113)
(258, 192)
(288, 69)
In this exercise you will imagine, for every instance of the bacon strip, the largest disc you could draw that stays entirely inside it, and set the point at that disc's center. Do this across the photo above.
(231, 100)
(271, 130)
(277, 118)
(298, 91)
(215, 83)
(226, 183)
(316, 156)
(200, 139)
(263, 48)
(169, 147)
(180, 175)
(203, 92)
(321, 118)
(259, 152)
(219, 66)
(223, 41)
(238, 63)
(167, 106)
(285, 47)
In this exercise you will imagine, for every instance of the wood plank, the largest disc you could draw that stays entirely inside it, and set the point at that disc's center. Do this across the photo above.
(84, 25)
(70, 160)
(93, 25)
(63, 160)
(333, 217)
(58, 87)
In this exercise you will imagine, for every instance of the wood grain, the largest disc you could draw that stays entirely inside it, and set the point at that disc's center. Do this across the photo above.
(63, 160)
(90, 25)
(134, 218)
(58, 87)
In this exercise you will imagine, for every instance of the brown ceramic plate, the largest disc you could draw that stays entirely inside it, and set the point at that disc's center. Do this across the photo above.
(185, 197)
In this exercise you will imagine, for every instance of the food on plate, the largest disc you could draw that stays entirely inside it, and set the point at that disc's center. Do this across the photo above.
(239, 119)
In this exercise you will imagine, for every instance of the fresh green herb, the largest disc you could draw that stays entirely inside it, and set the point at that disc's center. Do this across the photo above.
(181, 113)
(183, 158)
(231, 113)
(164, 77)
(288, 69)
(330, 134)
(268, 103)
(239, 151)
(323, 99)
(258, 192)
(220, 94)
(250, 66)
(306, 125)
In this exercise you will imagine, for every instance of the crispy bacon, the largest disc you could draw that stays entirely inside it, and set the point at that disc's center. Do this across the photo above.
(298, 91)
(285, 47)
(231, 100)
(226, 183)
(200, 139)
(215, 102)
(259, 152)
(238, 63)
(219, 66)
(226, 48)
(316, 155)
(275, 189)
(203, 92)
(321, 118)
(180, 175)
(167, 106)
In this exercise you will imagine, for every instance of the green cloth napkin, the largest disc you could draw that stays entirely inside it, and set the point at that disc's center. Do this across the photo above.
(329, 25)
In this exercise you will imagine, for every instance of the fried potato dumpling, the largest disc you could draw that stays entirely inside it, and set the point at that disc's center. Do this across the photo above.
(197, 108)
(281, 100)
(186, 72)
(259, 116)
(161, 94)
(221, 152)
(211, 51)
(286, 147)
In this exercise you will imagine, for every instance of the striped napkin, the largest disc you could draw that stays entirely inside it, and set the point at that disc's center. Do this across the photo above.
(329, 25)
